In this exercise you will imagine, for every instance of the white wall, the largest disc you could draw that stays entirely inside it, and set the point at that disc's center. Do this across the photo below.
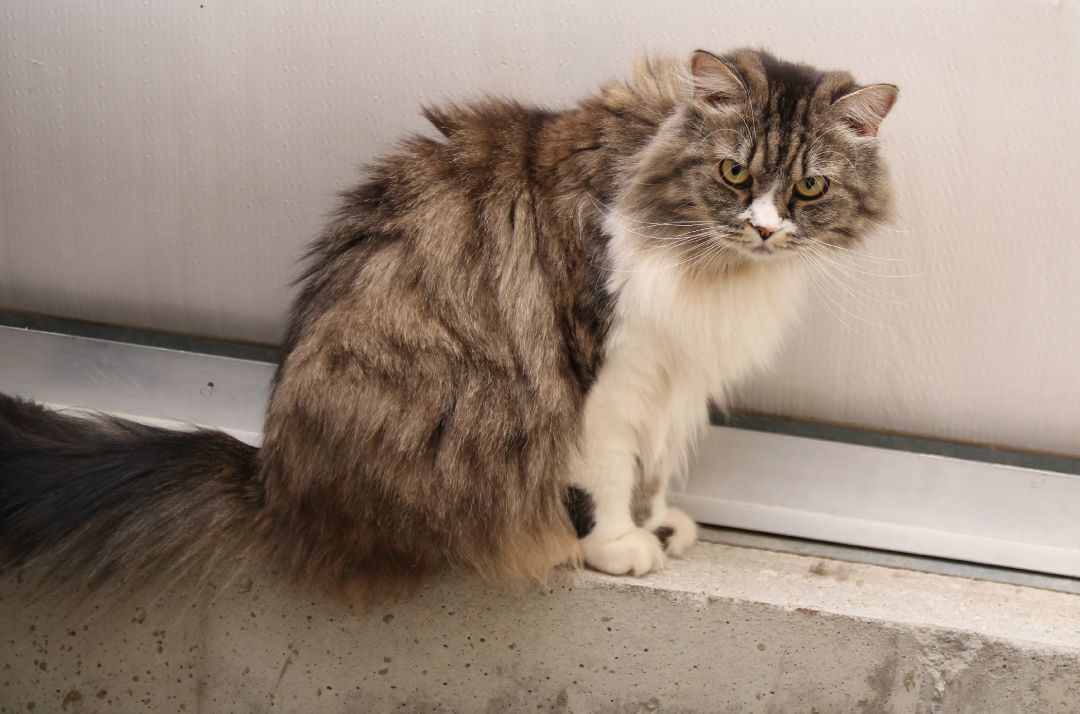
(163, 164)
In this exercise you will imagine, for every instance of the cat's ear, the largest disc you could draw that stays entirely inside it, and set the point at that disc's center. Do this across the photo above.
(714, 81)
(864, 109)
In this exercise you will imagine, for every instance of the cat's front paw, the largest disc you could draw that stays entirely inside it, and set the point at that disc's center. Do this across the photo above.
(638, 552)
(677, 532)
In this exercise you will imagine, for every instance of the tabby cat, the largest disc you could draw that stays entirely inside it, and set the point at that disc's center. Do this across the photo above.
(503, 348)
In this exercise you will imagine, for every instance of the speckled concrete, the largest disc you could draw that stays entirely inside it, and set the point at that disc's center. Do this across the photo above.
(733, 630)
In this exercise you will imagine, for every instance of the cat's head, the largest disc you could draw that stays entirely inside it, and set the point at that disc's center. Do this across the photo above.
(761, 160)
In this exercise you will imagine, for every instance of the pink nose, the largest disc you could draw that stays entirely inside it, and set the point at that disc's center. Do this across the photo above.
(764, 232)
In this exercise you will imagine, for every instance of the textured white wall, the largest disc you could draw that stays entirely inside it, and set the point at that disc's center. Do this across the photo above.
(163, 165)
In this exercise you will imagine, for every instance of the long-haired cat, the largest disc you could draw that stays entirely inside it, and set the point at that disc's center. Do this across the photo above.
(503, 348)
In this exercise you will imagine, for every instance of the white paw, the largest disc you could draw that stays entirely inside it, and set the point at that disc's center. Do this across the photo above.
(677, 532)
(638, 552)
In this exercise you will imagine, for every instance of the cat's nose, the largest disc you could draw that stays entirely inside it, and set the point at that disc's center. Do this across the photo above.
(764, 232)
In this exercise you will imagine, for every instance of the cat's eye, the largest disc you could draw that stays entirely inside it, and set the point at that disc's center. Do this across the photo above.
(735, 174)
(811, 187)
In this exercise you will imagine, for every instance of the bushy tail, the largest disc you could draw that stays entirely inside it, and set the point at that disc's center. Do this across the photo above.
(100, 498)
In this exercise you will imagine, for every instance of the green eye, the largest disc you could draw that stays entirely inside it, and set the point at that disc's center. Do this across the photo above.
(735, 174)
(811, 187)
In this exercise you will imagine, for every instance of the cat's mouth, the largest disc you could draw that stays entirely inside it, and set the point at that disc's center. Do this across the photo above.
(757, 249)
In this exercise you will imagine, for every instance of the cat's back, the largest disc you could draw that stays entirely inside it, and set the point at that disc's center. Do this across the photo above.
(483, 157)
(442, 251)
(436, 214)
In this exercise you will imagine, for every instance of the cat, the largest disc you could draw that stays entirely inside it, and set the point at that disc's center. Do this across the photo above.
(504, 345)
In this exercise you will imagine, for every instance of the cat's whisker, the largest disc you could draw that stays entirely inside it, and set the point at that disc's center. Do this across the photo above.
(659, 237)
(830, 302)
(709, 251)
(696, 229)
(871, 292)
(664, 251)
(810, 246)
(833, 254)
(832, 279)
(820, 292)
(850, 251)
(882, 226)
(836, 262)
(608, 211)
(703, 251)
(653, 236)
(671, 242)
(622, 218)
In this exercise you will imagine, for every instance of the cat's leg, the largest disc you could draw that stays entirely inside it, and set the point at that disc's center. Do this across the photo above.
(601, 495)
(686, 419)
(621, 522)
(610, 539)
(675, 530)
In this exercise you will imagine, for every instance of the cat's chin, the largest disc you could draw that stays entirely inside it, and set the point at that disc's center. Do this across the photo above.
(763, 253)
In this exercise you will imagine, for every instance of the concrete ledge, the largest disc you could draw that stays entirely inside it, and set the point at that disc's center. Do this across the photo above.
(732, 630)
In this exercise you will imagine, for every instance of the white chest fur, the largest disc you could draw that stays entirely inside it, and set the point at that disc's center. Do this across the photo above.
(679, 340)
(676, 340)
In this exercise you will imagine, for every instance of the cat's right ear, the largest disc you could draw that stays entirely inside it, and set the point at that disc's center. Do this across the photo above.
(863, 110)
(714, 81)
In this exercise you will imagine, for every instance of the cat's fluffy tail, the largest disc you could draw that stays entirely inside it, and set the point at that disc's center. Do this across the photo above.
(97, 497)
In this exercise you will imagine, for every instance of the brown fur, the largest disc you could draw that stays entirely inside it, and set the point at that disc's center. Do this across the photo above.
(432, 390)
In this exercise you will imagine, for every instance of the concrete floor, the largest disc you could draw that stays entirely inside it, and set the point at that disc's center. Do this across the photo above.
(731, 630)
(889, 559)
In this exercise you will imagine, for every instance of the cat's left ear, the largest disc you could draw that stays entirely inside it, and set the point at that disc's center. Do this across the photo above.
(714, 81)
(864, 109)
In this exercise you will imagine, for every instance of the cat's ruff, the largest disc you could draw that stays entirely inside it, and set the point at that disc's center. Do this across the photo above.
(676, 342)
